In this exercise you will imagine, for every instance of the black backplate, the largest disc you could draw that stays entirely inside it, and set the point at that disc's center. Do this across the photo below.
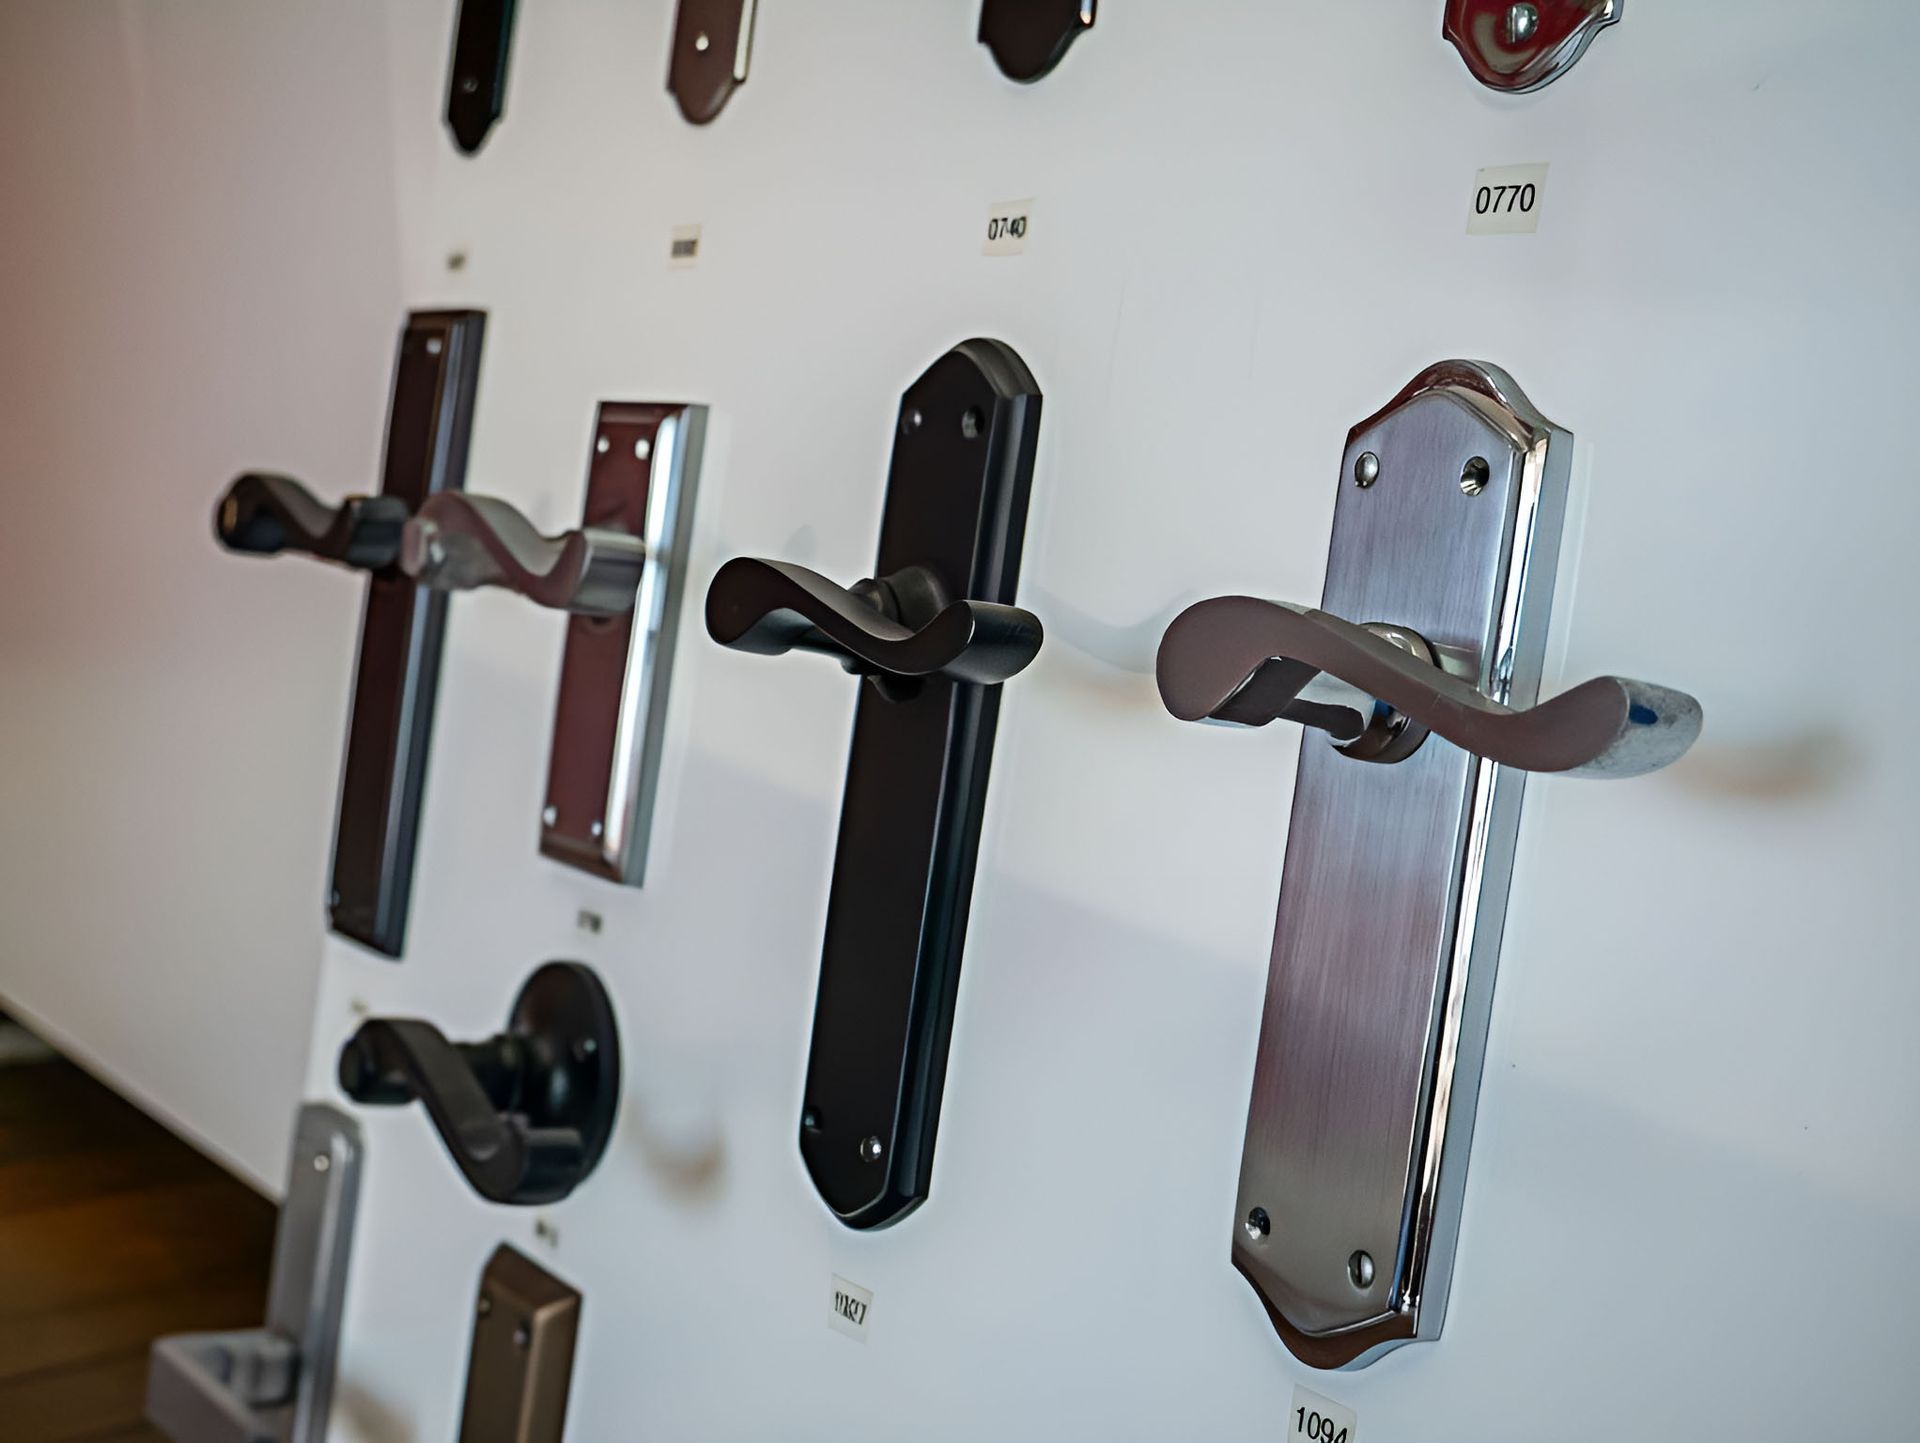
(477, 73)
(1029, 37)
(916, 788)
(431, 416)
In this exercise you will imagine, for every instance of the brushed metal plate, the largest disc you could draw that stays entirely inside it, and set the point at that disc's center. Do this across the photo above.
(275, 1384)
(520, 1369)
(1395, 883)
(610, 722)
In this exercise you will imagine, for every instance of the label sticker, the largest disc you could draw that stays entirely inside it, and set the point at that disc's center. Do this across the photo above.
(684, 250)
(850, 1306)
(1007, 227)
(1321, 1420)
(1506, 200)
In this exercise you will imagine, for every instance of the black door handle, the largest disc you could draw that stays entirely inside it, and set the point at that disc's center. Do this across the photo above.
(525, 1114)
(263, 514)
(900, 627)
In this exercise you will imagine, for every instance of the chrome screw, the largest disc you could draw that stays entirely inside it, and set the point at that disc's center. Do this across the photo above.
(321, 1162)
(1360, 1269)
(1258, 1224)
(486, 1304)
(870, 1149)
(1366, 470)
(643, 448)
(1475, 475)
(700, 41)
(550, 815)
(601, 445)
(595, 829)
(1522, 21)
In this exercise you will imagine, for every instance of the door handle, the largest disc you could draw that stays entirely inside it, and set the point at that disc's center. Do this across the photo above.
(896, 628)
(1380, 689)
(263, 514)
(274, 1384)
(525, 1114)
(933, 634)
(458, 542)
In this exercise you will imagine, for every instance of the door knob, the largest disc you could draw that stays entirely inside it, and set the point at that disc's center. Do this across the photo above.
(895, 629)
(263, 514)
(526, 1114)
(458, 542)
(1380, 689)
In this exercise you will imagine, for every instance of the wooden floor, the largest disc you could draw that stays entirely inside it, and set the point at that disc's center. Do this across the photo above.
(112, 1231)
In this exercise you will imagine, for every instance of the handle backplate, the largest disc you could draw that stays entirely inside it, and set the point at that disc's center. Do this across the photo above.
(610, 724)
(1394, 891)
(712, 44)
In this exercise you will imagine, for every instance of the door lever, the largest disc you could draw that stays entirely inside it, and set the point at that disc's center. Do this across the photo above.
(458, 542)
(1380, 690)
(895, 629)
(263, 515)
(526, 1114)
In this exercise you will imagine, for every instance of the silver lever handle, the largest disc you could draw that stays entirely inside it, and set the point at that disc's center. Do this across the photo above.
(1381, 689)
(457, 542)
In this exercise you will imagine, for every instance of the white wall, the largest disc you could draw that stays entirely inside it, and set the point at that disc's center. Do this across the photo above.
(198, 274)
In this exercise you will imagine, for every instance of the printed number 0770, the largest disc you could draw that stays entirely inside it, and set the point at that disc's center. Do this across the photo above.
(1490, 198)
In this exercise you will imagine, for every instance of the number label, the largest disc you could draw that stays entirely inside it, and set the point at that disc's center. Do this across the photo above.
(683, 247)
(1320, 1420)
(1506, 200)
(1007, 227)
(851, 1304)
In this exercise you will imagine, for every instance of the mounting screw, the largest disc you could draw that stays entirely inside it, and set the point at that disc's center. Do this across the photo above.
(810, 1121)
(601, 445)
(433, 345)
(469, 85)
(521, 1337)
(1475, 475)
(1360, 1269)
(1522, 20)
(643, 448)
(594, 829)
(910, 420)
(972, 423)
(870, 1149)
(1366, 470)
(700, 41)
(321, 1162)
(550, 815)
(486, 1304)
(1258, 1224)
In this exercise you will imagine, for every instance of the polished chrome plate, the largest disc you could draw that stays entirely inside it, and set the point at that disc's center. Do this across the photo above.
(1394, 892)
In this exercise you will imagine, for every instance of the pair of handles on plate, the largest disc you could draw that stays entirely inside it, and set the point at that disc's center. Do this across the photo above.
(1378, 690)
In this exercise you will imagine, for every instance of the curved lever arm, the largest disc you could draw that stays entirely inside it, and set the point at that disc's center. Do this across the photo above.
(263, 514)
(457, 542)
(472, 1095)
(1219, 652)
(769, 607)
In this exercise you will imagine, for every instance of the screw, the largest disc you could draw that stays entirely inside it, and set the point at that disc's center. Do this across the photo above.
(1366, 470)
(321, 1162)
(594, 829)
(486, 1304)
(521, 1337)
(910, 420)
(433, 345)
(810, 1121)
(1360, 1269)
(870, 1149)
(643, 448)
(1475, 475)
(550, 815)
(333, 898)
(469, 85)
(971, 422)
(1522, 21)
(1258, 1224)
(700, 41)
(601, 445)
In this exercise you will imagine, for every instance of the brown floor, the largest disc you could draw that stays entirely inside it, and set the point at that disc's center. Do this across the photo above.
(112, 1231)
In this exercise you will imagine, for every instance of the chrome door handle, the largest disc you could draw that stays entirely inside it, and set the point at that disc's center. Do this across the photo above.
(459, 542)
(1380, 689)
(902, 626)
